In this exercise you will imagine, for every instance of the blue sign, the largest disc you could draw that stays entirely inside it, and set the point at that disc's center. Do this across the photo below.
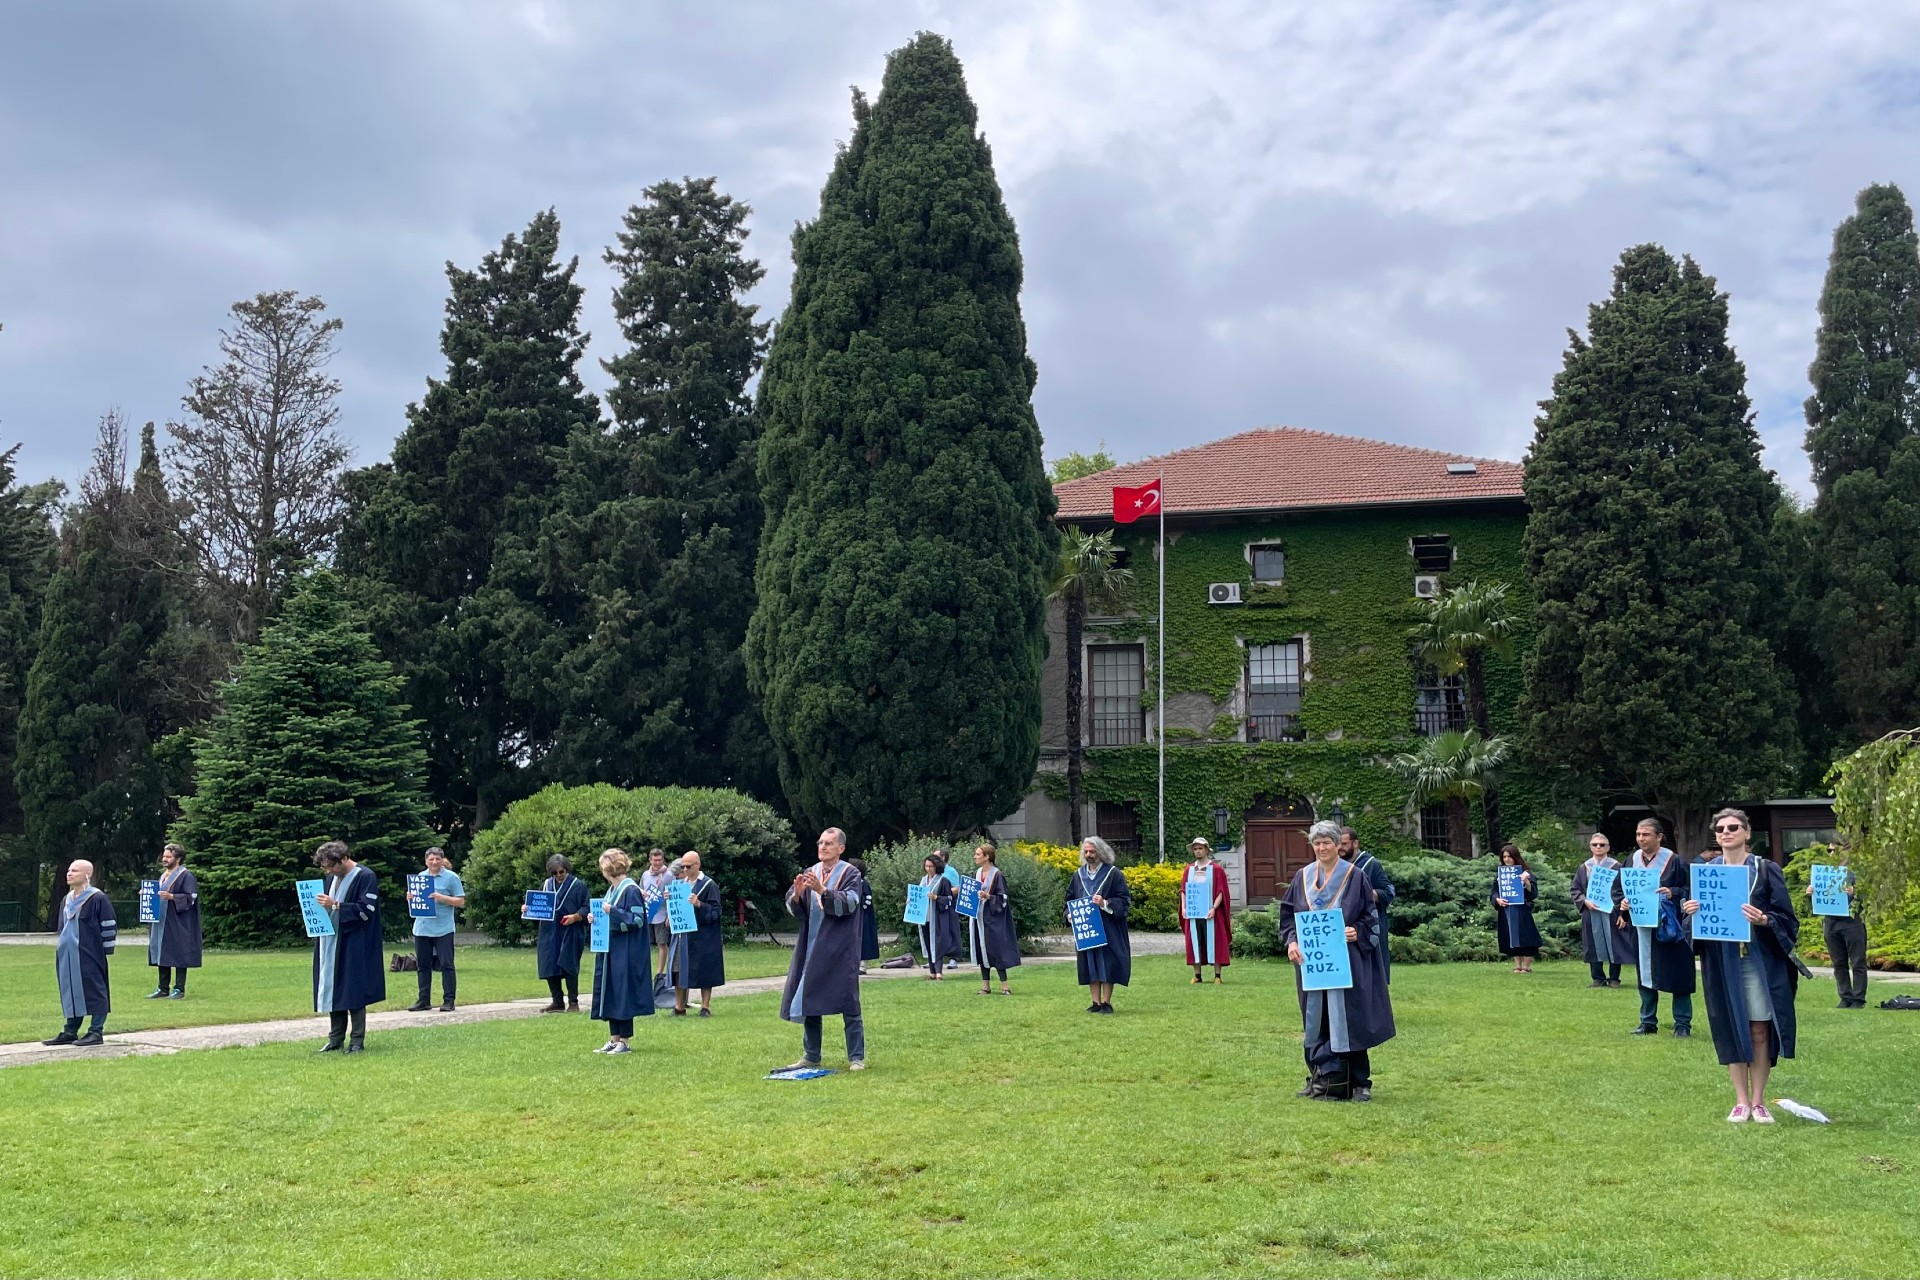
(599, 927)
(1324, 962)
(1199, 899)
(969, 898)
(916, 905)
(420, 903)
(680, 917)
(149, 901)
(1830, 891)
(314, 916)
(1511, 888)
(1721, 891)
(1600, 887)
(1641, 885)
(1089, 930)
(539, 905)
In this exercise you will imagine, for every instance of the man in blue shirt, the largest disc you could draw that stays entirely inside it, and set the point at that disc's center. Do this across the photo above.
(433, 935)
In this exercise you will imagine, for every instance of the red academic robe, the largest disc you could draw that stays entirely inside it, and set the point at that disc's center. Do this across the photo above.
(1210, 941)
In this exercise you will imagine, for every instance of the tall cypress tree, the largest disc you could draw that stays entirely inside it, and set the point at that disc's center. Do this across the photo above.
(903, 568)
(1647, 543)
(1863, 437)
(313, 743)
(475, 470)
(26, 562)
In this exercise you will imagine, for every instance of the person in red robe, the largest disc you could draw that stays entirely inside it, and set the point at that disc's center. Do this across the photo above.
(1209, 937)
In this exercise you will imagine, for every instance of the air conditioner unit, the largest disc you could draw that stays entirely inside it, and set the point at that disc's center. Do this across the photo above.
(1426, 586)
(1223, 593)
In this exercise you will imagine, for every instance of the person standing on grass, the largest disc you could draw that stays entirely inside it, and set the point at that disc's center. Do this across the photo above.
(87, 934)
(1383, 891)
(563, 939)
(1750, 986)
(936, 936)
(433, 935)
(869, 923)
(653, 887)
(1603, 944)
(1662, 966)
(699, 958)
(1101, 969)
(347, 971)
(622, 982)
(953, 876)
(1209, 938)
(1513, 924)
(823, 977)
(1342, 1026)
(992, 941)
(173, 939)
(1846, 939)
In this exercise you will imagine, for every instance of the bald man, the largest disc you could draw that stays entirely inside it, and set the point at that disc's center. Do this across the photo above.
(87, 934)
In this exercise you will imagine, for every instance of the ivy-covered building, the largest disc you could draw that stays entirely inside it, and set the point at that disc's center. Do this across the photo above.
(1295, 560)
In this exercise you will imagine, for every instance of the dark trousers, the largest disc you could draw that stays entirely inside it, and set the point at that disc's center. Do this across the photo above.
(1612, 973)
(1650, 1010)
(177, 976)
(984, 972)
(338, 1021)
(1846, 940)
(431, 954)
(622, 1027)
(856, 1038)
(572, 981)
(1351, 1070)
(99, 1021)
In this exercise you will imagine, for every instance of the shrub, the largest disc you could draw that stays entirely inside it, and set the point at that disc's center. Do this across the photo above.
(1443, 910)
(1893, 938)
(1063, 858)
(1155, 887)
(1553, 841)
(746, 847)
(1256, 934)
(1035, 891)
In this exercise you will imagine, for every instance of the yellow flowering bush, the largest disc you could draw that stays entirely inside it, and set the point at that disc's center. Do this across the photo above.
(1155, 887)
(1063, 858)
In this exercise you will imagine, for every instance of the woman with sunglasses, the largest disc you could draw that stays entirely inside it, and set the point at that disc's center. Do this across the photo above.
(1749, 986)
(1603, 943)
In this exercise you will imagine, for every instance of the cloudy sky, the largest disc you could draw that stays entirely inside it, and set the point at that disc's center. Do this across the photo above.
(1375, 217)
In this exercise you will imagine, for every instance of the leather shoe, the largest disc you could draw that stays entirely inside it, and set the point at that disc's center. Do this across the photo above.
(1644, 1031)
(64, 1038)
(419, 1006)
(160, 994)
(555, 1007)
(89, 1041)
(331, 1046)
(447, 1007)
(356, 1048)
(1682, 1033)
(178, 995)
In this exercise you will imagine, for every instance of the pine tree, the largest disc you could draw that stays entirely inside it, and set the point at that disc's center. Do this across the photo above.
(1647, 543)
(313, 743)
(475, 470)
(1863, 438)
(903, 568)
(26, 562)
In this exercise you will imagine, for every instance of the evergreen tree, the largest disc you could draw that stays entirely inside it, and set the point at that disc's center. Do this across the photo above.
(903, 568)
(475, 470)
(26, 562)
(313, 743)
(1863, 437)
(1647, 543)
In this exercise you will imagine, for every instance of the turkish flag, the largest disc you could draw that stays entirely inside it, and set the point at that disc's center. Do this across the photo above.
(1131, 504)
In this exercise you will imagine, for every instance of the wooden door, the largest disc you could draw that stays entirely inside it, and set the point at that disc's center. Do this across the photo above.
(1275, 850)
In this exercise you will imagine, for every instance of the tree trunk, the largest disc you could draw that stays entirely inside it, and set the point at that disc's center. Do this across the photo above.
(1076, 614)
(1692, 831)
(1459, 828)
(1476, 681)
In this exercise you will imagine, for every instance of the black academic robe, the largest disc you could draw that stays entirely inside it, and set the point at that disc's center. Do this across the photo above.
(869, 928)
(701, 954)
(1605, 938)
(1113, 962)
(939, 936)
(824, 975)
(1725, 991)
(173, 941)
(623, 973)
(95, 932)
(560, 946)
(1383, 895)
(1369, 1010)
(1514, 926)
(1672, 967)
(991, 939)
(359, 965)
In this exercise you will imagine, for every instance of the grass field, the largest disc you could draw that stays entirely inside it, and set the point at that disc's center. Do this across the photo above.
(252, 986)
(1517, 1130)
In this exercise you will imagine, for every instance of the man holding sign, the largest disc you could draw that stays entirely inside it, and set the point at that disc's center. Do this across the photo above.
(1838, 906)
(441, 892)
(1327, 918)
(347, 971)
(1664, 963)
(1205, 919)
(173, 936)
(698, 955)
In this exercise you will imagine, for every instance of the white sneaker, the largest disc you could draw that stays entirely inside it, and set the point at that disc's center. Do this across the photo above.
(619, 1047)
(605, 1048)
(858, 1064)
(1760, 1114)
(1738, 1115)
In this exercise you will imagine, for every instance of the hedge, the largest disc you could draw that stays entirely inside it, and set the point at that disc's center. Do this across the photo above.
(1155, 886)
(1035, 890)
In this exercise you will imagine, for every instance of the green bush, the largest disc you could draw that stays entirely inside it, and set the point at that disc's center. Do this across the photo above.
(1256, 934)
(1893, 937)
(744, 846)
(1553, 841)
(1444, 911)
(1036, 892)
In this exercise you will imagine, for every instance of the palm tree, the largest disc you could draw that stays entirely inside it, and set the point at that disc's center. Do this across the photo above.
(1454, 637)
(1455, 766)
(1088, 573)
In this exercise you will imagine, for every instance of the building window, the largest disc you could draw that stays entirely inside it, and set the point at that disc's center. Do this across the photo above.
(1117, 674)
(1273, 692)
(1794, 839)
(1439, 704)
(1269, 563)
(1435, 832)
(1118, 825)
(1433, 553)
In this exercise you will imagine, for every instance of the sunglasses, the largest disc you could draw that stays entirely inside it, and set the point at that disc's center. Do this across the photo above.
(1729, 826)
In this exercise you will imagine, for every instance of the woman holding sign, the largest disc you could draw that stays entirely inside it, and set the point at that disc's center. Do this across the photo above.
(1326, 923)
(622, 975)
(1513, 894)
(1103, 885)
(1206, 920)
(1749, 986)
(563, 936)
(1605, 943)
(991, 939)
(699, 958)
(936, 934)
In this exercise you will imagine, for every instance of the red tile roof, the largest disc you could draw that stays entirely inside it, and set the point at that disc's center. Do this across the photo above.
(1277, 468)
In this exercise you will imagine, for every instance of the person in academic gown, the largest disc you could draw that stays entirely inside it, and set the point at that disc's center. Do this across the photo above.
(349, 970)
(935, 938)
(623, 973)
(563, 939)
(1383, 891)
(992, 941)
(1342, 1027)
(1750, 986)
(173, 939)
(1662, 966)
(823, 977)
(1210, 938)
(1101, 969)
(1604, 944)
(869, 923)
(959, 940)
(88, 932)
(1513, 924)
(698, 958)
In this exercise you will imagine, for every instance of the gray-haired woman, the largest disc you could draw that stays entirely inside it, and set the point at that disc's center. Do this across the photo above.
(1342, 1024)
(1104, 967)
(563, 939)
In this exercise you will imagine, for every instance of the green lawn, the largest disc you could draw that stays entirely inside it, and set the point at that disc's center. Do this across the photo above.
(252, 986)
(1516, 1130)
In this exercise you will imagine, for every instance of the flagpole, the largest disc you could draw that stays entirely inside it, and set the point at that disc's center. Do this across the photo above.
(1160, 668)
